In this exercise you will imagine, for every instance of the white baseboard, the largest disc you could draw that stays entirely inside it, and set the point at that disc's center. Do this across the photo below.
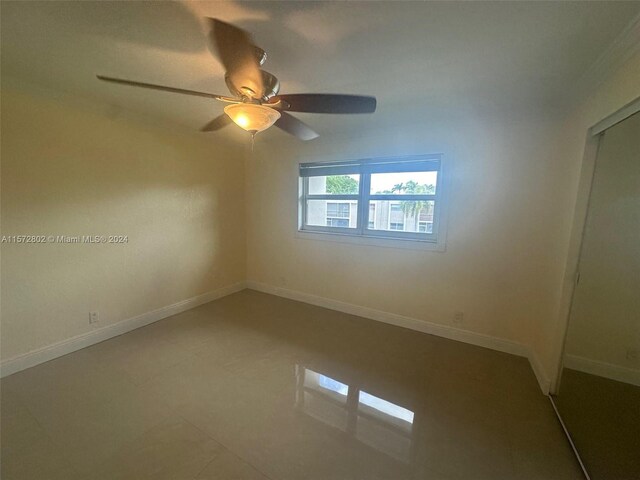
(479, 339)
(41, 355)
(602, 369)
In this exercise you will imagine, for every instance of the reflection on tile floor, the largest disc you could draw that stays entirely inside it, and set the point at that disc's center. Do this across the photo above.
(253, 386)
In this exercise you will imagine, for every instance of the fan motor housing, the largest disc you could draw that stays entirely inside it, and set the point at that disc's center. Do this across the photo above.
(270, 82)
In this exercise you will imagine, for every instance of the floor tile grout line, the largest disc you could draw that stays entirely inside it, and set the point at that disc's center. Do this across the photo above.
(50, 439)
(195, 477)
(72, 464)
(223, 446)
(170, 409)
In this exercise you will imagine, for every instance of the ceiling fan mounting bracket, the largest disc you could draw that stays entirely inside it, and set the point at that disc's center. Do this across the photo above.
(261, 55)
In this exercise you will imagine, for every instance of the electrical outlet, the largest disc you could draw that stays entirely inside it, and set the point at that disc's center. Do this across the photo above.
(94, 317)
(633, 354)
(458, 318)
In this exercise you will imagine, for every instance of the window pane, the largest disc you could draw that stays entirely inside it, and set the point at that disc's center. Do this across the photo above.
(334, 185)
(338, 209)
(372, 215)
(405, 183)
(332, 213)
(404, 216)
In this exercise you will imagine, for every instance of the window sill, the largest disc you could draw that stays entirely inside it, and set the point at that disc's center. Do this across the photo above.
(386, 242)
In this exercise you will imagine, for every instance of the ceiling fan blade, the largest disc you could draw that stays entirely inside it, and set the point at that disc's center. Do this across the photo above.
(237, 54)
(166, 89)
(326, 103)
(217, 123)
(295, 127)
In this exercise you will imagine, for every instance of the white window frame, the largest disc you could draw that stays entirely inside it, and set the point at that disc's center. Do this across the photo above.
(364, 168)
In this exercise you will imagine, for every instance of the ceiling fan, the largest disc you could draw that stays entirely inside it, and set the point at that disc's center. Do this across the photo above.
(256, 104)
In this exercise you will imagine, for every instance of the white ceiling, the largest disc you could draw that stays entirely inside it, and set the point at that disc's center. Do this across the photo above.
(515, 54)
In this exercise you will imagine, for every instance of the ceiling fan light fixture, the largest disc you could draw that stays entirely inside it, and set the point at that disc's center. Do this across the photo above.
(252, 117)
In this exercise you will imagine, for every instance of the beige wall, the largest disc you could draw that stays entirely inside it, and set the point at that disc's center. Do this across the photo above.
(502, 222)
(514, 180)
(70, 168)
(514, 183)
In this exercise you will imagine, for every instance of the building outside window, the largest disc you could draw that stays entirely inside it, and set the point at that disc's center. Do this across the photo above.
(396, 216)
(338, 214)
(340, 210)
(372, 216)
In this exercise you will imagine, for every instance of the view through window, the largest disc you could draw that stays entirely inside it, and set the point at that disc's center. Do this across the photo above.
(396, 198)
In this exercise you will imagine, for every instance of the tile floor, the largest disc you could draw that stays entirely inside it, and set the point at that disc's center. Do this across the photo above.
(257, 387)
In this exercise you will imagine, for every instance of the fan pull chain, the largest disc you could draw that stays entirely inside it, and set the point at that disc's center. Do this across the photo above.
(253, 140)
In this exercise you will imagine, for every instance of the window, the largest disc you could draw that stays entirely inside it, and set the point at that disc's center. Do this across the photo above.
(372, 215)
(396, 217)
(337, 222)
(389, 198)
(337, 210)
(338, 214)
(426, 227)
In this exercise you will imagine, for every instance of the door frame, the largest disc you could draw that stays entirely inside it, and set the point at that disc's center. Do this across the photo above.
(594, 135)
